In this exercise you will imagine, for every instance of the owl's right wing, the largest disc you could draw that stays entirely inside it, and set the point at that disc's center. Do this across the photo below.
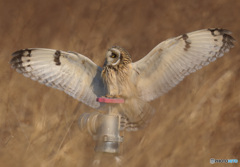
(70, 72)
(170, 61)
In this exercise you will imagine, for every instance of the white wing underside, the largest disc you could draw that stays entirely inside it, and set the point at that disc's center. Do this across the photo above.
(70, 72)
(170, 61)
(155, 74)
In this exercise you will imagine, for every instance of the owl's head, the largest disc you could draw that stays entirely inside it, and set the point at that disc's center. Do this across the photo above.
(116, 56)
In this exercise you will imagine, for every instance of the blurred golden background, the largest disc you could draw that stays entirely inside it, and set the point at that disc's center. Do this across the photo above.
(197, 120)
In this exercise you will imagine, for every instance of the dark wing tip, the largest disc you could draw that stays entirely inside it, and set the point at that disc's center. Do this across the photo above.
(228, 41)
(16, 61)
(23, 52)
(19, 52)
(227, 38)
(219, 31)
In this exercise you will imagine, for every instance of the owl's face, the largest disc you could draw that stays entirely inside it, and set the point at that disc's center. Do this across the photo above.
(115, 56)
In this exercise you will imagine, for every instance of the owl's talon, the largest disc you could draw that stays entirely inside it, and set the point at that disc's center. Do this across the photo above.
(112, 96)
(109, 96)
(117, 96)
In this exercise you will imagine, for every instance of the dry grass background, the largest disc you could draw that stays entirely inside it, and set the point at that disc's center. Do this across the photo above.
(197, 120)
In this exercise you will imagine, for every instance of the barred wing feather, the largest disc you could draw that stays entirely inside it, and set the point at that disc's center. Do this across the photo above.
(170, 61)
(70, 72)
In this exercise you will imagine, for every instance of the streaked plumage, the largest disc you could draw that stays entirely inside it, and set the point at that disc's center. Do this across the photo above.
(139, 82)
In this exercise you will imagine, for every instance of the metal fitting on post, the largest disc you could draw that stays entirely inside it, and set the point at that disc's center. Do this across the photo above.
(88, 122)
(105, 130)
(108, 138)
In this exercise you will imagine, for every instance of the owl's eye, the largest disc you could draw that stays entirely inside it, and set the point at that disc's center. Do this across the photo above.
(113, 55)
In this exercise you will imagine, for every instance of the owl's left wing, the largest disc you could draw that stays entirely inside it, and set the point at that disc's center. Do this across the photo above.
(70, 72)
(170, 61)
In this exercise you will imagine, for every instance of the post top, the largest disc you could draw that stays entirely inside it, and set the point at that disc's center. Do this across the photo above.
(110, 100)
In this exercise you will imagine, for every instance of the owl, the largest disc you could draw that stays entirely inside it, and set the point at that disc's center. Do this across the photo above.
(136, 82)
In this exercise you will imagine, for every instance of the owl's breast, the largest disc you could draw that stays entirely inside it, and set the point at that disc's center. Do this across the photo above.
(110, 80)
(117, 81)
(109, 75)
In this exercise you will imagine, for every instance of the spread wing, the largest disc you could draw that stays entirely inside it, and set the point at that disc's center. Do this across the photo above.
(170, 61)
(71, 72)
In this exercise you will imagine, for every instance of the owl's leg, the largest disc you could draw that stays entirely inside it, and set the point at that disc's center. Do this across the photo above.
(117, 96)
(109, 96)
(129, 126)
(113, 96)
